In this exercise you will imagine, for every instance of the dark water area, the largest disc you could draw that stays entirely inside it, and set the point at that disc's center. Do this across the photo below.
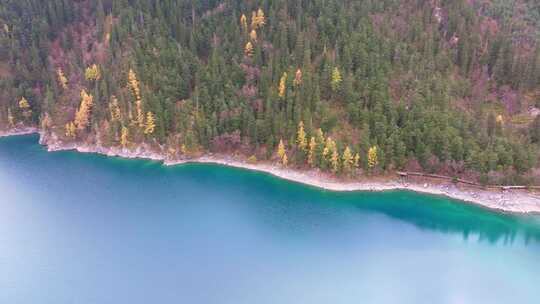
(84, 228)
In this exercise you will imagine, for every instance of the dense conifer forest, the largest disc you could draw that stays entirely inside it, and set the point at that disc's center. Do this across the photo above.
(353, 87)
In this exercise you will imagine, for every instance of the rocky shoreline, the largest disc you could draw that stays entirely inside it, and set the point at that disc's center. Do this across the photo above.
(515, 201)
(19, 131)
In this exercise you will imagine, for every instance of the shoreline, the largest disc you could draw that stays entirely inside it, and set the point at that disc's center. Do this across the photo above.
(19, 131)
(513, 201)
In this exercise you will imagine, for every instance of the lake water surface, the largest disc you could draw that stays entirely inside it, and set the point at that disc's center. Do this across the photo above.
(87, 229)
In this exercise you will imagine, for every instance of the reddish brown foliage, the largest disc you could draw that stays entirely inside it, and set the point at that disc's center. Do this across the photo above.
(227, 142)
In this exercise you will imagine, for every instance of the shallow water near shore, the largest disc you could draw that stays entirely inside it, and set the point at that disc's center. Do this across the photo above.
(84, 228)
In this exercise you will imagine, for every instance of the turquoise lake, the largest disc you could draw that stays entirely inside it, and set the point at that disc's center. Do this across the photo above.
(85, 229)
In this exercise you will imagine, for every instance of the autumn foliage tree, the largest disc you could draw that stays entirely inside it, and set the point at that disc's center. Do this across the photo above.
(134, 84)
(62, 79)
(135, 87)
(282, 85)
(336, 79)
(253, 35)
(25, 108)
(330, 155)
(312, 151)
(124, 137)
(334, 161)
(248, 49)
(114, 109)
(373, 158)
(243, 22)
(258, 19)
(282, 154)
(70, 129)
(347, 160)
(357, 160)
(92, 73)
(150, 124)
(209, 69)
(82, 117)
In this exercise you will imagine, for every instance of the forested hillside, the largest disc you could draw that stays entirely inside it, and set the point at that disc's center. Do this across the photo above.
(349, 86)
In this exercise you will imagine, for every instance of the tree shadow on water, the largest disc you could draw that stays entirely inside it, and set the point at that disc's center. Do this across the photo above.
(450, 216)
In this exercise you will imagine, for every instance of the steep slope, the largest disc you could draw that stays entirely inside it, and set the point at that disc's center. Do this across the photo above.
(352, 87)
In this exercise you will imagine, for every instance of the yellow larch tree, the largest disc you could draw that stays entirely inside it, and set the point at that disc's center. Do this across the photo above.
(336, 79)
(329, 148)
(373, 158)
(134, 84)
(334, 161)
(330, 155)
(347, 160)
(25, 107)
(140, 113)
(23, 104)
(82, 117)
(282, 85)
(281, 149)
(326, 151)
(243, 22)
(92, 73)
(282, 153)
(357, 160)
(253, 35)
(248, 50)
(261, 18)
(298, 78)
(124, 137)
(285, 160)
(301, 137)
(70, 129)
(114, 109)
(62, 79)
(254, 20)
(150, 123)
(312, 151)
(258, 19)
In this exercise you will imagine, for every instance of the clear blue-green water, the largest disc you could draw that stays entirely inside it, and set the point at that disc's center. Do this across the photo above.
(83, 228)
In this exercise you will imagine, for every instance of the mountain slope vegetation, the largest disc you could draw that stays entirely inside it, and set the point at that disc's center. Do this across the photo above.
(350, 87)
